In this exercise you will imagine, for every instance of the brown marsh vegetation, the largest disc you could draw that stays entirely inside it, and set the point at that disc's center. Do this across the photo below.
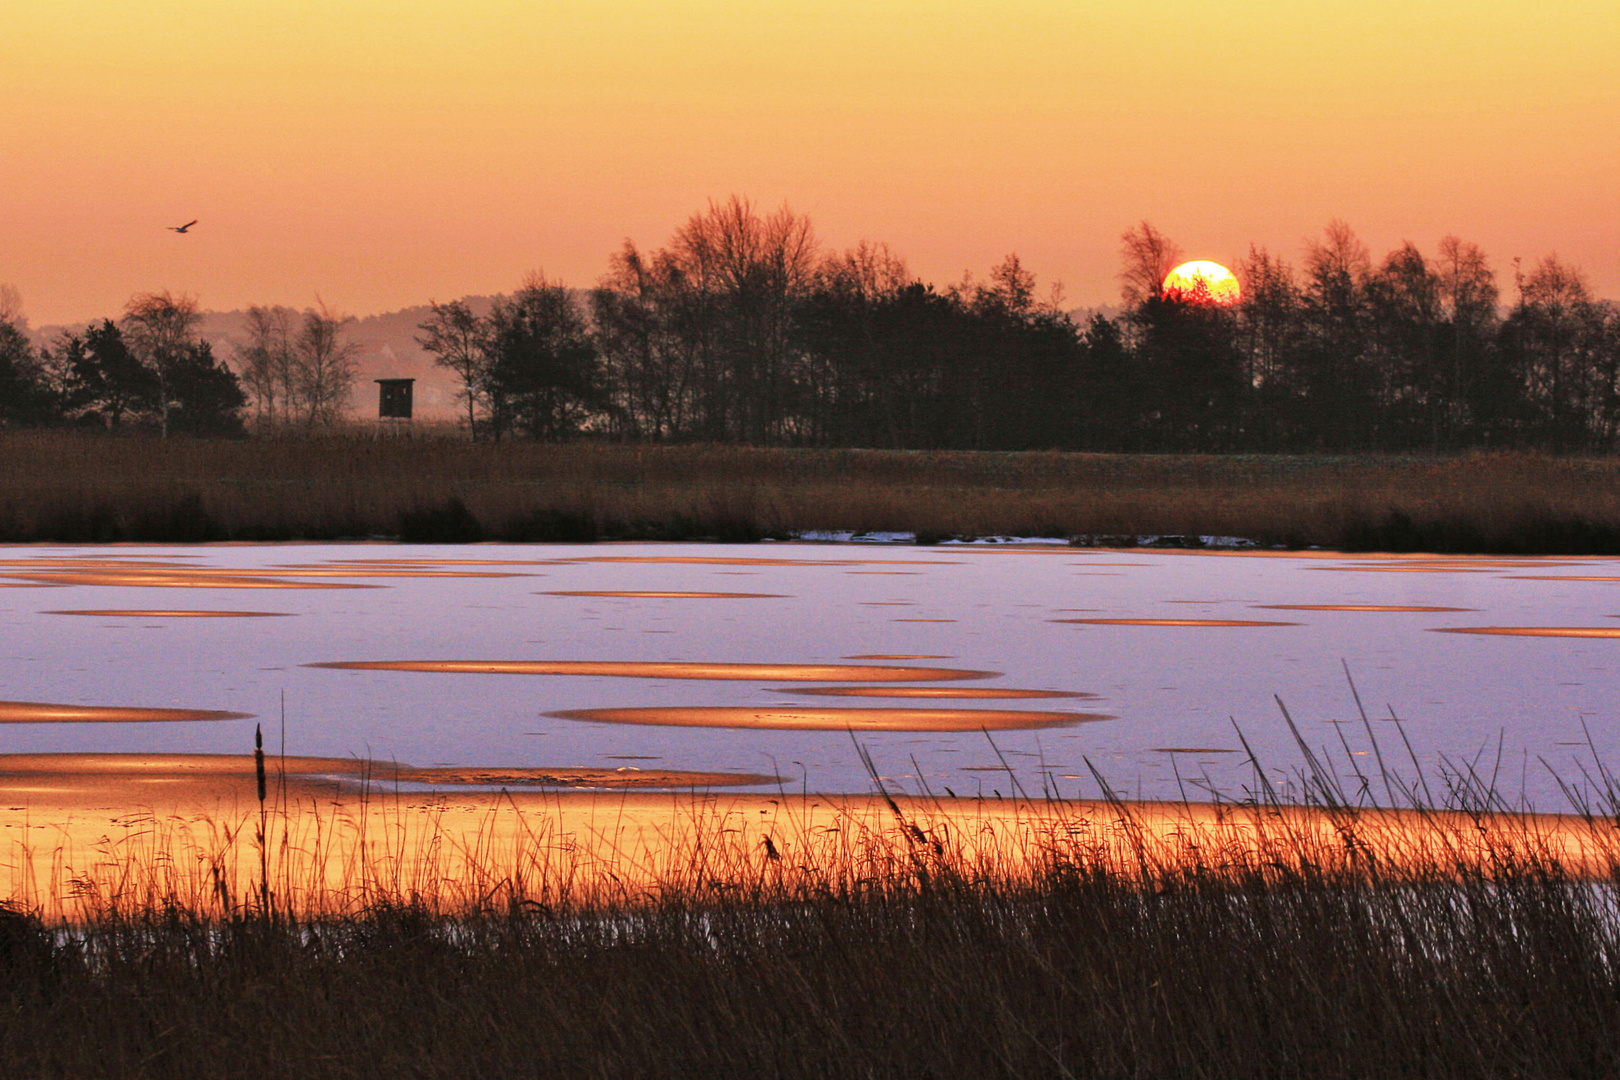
(806, 936)
(67, 487)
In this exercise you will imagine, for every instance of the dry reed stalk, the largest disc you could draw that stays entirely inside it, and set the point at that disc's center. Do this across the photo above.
(68, 486)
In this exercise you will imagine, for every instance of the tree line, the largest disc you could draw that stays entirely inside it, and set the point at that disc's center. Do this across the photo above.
(744, 328)
(151, 368)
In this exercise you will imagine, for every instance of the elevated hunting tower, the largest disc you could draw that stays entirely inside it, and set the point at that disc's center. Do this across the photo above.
(394, 406)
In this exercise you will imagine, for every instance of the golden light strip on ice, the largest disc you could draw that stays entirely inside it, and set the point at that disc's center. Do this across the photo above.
(181, 578)
(1175, 622)
(1356, 607)
(656, 595)
(114, 776)
(43, 712)
(962, 692)
(636, 669)
(1533, 631)
(831, 719)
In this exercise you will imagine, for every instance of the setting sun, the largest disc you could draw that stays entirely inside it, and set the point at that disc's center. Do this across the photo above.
(1202, 282)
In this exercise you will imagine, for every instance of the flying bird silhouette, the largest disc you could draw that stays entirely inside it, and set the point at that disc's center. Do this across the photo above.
(182, 228)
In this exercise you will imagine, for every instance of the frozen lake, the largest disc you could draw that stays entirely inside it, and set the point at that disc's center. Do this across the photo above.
(1168, 648)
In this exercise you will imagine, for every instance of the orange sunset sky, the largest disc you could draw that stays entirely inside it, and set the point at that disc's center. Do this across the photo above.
(383, 153)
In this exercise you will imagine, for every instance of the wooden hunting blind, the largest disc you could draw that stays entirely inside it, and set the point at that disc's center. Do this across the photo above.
(394, 399)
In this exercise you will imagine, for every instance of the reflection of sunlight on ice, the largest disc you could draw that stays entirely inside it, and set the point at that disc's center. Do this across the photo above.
(964, 692)
(41, 712)
(214, 776)
(667, 595)
(1406, 569)
(632, 669)
(1534, 631)
(1355, 607)
(833, 719)
(1175, 622)
(1563, 577)
(179, 578)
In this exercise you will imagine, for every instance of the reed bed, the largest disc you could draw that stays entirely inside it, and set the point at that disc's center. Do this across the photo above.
(81, 487)
(883, 937)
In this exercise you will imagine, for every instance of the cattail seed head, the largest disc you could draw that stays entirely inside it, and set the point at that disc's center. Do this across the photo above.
(258, 759)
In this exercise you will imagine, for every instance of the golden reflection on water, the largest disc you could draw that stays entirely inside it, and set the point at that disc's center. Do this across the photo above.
(617, 846)
(649, 595)
(89, 770)
(177, 578)
(1495, 562)
(119, 613)
(977, 692)
(1533, 631)
(381, 572)
(386, 564)
(157, 574)
(574, 777)
(92, 564)
(1357, 607)
(637, 669)
(1175, 622)
(114, 775)
(742, 560)
(41, 712)
(832, 719)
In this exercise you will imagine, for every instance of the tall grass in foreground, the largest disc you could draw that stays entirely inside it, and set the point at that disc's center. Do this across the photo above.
(902, 938)
(75, 487)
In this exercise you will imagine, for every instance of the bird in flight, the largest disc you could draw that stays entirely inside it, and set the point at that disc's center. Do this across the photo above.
(182, 228)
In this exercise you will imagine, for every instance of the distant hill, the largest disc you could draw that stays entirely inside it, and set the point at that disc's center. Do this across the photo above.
(1082, 315)
(388, 350)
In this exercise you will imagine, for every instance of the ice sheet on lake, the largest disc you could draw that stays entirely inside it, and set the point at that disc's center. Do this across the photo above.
(1005, 608)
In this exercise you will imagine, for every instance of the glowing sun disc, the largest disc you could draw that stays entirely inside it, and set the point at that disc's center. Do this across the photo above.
(1202, 282)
